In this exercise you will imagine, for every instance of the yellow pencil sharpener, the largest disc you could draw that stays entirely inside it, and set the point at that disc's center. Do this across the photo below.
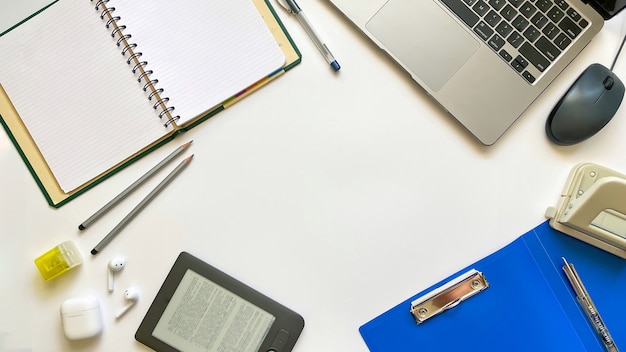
(59, 260)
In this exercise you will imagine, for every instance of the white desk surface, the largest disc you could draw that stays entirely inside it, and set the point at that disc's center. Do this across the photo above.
(338, 195)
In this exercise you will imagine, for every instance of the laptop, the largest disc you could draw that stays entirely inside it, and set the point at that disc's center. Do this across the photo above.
(484, 61)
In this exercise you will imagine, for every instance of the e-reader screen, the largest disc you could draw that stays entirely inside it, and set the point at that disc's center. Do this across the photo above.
(200, 308)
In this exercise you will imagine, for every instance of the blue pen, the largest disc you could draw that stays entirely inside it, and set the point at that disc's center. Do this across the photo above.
(293, 7)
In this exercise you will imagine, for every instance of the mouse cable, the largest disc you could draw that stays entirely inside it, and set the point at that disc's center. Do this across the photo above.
(618, 52)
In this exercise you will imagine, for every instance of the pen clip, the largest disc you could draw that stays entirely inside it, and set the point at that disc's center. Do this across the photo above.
(284, 5)
(574, 279)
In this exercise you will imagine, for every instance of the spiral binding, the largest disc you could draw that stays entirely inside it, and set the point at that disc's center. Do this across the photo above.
(106, 13)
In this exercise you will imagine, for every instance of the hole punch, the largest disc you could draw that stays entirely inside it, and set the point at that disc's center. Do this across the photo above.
(592, 208)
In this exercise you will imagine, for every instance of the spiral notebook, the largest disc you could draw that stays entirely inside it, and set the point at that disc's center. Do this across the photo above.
(87, 87)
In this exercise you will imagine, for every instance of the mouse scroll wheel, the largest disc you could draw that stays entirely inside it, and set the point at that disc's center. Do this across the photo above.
(608, 82)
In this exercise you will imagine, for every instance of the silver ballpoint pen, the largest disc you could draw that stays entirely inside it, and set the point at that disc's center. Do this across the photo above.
(293, 7)
(583, 298)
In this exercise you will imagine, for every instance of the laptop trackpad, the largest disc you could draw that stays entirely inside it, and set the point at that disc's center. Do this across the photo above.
(424, 38)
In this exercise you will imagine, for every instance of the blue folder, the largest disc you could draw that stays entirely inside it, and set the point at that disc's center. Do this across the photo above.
(529, 304)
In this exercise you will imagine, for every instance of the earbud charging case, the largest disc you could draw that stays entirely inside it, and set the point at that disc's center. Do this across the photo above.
(81, 318)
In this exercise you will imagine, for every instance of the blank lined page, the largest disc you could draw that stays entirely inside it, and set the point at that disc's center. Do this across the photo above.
(201, 51)
(75, 93)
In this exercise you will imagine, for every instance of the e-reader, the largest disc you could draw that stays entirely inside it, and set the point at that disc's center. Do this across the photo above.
(200, 308)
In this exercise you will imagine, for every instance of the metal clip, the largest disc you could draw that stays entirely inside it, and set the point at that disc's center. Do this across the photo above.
(448, 295)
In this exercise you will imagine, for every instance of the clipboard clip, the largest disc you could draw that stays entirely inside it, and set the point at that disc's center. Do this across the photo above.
(592, 208)
(448, 296)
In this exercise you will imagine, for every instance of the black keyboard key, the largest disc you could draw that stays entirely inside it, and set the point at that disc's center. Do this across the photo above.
(528, 10)
(497, 4)
(496, 42)
(570, 28)
(539, 20)
(551, 31)
(520, 23)
(483, 30)
(583, 23)
(562, 4)
(555, 14)
(517, 66)
(470, 2)
(547, 48)
(504, 29)
(515, 3)
(481, 8)
(464, 12)
(562, 41)
(508, 13)
(532, 34)
(543, 5)
(505, 55)
(534, 56)
(574, 15)
(521, 61)
(529, 77)
(515, 39)
(493, 18)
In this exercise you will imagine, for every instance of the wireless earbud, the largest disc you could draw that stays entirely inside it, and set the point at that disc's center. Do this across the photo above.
(132, 295)
(115, 265)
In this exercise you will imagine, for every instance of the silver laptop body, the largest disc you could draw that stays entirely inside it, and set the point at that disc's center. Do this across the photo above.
(467, 69)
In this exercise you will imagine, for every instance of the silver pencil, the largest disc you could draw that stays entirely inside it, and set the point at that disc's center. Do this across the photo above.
(133, 186)
(116, 230)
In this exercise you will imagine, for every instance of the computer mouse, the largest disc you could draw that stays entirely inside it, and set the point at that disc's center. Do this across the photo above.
(587, 106)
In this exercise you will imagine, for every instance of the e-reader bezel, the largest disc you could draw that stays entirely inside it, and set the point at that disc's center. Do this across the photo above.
(285, 318)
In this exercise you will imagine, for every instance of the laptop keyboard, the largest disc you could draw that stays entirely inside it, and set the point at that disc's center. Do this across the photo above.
(528, 34)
